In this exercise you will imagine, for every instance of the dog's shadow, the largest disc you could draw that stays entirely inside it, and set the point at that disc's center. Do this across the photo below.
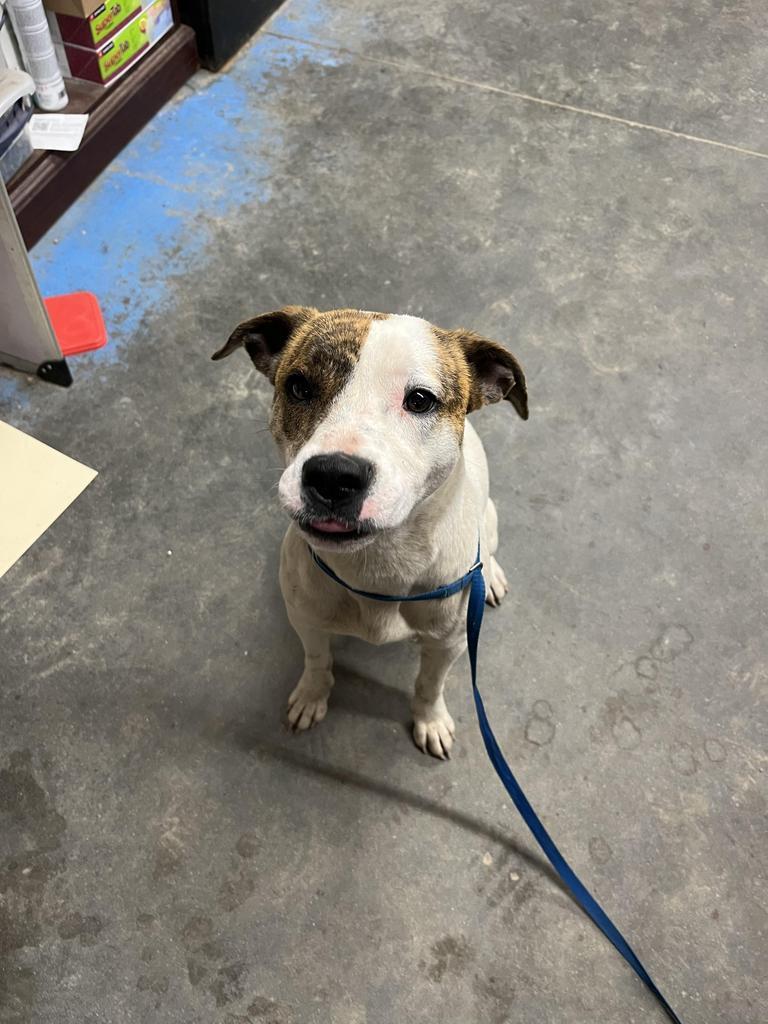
(260, 736)
(363, 695)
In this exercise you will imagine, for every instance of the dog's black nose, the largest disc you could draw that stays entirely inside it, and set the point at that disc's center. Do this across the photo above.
(337, 481)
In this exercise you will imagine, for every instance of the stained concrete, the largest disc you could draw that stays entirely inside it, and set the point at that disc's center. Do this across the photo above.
(692, 66)
(168, 853)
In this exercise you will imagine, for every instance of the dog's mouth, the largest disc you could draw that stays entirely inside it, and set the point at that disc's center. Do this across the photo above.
(334, 531)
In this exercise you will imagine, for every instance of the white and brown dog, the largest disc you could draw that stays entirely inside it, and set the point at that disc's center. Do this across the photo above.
(386, 480)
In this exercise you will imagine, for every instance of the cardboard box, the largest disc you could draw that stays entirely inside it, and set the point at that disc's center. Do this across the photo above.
(107, 63)
(77, 8)
(97, 28)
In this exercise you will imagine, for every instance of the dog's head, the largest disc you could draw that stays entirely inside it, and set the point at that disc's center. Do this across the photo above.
(369, 410)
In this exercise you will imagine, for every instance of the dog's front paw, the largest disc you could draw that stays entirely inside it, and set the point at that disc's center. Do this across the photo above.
(496, 585)
(308, 704)
(433, 728)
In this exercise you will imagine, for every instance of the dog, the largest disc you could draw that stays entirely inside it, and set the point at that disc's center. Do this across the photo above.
(386, 480)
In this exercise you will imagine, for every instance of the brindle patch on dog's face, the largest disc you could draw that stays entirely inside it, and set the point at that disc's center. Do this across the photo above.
(455, 378)
(323, 352)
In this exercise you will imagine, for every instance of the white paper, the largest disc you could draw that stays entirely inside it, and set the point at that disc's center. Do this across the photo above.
(36, 484)
(57, 131)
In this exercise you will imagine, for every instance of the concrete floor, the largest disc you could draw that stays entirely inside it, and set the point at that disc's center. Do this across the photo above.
(168, 853)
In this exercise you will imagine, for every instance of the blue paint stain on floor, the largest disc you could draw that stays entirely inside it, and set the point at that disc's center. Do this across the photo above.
(147, 218)
(305, 20)
(10, 390)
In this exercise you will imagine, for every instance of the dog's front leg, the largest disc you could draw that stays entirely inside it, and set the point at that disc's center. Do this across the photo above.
(433, 728)
(308, 703)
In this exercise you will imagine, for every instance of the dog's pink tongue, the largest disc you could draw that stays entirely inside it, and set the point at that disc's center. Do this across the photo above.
(329, 526)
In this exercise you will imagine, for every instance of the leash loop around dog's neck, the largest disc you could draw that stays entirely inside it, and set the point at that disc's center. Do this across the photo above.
(473, 579)
(434, 595)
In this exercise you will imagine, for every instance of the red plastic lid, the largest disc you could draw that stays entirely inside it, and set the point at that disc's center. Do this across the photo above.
(77, 322)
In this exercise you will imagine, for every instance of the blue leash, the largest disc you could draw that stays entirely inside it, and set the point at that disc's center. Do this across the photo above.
(474, 579)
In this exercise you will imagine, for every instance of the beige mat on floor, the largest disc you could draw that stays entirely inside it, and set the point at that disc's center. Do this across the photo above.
(36, 484)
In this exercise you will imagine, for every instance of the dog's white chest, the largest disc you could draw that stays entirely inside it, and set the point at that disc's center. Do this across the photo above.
(381, 625)
(330, 608)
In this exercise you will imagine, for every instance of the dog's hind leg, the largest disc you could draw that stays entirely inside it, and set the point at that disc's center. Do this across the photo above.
(308, 703)
(496, 586)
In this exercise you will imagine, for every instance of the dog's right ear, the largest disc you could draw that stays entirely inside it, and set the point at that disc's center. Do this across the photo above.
(265, 336)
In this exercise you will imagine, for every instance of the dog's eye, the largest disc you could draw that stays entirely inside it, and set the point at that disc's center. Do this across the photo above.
(298, 387)
(419, 401)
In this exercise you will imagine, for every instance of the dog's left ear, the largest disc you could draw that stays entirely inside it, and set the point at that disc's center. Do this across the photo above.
(265, 336)
(496, 374)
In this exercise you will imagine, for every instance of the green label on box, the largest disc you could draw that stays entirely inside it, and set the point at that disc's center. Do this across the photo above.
(124, 47)
(111, 14)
